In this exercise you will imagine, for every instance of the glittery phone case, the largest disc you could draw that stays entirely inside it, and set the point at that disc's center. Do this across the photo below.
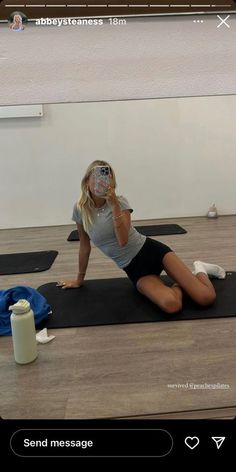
(101, 175)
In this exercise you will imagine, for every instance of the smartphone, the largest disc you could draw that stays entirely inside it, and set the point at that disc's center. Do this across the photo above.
(102, 176)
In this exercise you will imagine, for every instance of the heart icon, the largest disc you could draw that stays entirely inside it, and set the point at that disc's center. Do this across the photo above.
(191, 441)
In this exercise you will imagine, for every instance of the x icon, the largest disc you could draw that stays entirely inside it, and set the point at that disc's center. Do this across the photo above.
(223, 22)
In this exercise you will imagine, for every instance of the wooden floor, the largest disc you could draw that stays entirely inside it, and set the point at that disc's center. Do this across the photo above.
(124, 371)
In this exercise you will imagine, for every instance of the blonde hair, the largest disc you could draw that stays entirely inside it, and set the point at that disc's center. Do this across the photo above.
(85, 203)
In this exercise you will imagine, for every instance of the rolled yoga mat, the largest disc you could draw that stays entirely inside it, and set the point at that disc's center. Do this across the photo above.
(150, 230)
(26, 262)
(116, 301)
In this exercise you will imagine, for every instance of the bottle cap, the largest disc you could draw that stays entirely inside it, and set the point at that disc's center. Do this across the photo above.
(22, 306)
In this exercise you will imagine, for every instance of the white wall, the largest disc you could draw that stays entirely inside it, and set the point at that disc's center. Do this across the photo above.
(173, 158)
(147, 58)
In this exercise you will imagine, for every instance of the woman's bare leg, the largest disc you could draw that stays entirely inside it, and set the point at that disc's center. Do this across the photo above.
(168, 299)
(198, 287)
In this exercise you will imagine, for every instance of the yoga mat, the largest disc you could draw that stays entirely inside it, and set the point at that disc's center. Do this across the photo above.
(26, 262)
(150, 230)
(116, 301)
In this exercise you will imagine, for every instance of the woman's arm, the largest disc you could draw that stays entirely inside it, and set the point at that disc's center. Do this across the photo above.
(121, 221)
(121, 218)
(84, 252)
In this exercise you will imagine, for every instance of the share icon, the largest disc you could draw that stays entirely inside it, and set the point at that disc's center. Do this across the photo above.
(218, 440)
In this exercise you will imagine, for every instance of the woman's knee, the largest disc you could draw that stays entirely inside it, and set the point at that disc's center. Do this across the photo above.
(162, 296)
(206, 298)
(171, 304)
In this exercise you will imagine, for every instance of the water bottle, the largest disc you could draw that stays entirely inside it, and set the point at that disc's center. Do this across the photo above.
(23, 332)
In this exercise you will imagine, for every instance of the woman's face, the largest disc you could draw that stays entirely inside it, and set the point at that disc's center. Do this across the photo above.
(17, 19)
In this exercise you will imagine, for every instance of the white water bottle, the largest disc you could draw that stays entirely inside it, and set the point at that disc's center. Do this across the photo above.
(23, 332)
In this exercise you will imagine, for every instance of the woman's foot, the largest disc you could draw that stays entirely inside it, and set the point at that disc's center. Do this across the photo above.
(209, 269)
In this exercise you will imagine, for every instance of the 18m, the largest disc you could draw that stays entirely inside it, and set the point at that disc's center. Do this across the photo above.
(117, 21)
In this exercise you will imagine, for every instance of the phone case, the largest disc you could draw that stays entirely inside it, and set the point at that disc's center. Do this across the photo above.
(102, 175)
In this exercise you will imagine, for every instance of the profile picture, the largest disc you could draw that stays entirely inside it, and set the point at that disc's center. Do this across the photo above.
(17, 21)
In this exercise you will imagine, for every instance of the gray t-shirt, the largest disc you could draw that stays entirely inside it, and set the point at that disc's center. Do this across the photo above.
(102, 233)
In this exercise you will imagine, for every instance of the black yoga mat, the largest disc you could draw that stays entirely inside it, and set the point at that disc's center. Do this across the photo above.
(150, 230)
(26, 262)
(116, 301)
(160, 230)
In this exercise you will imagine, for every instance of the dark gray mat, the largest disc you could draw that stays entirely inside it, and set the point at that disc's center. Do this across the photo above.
(26, 262)
(116, 301)
(150, 230)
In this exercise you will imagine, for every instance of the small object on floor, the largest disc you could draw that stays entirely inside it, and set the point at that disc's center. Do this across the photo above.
(23, 332)
(210, 269)
(43, 338)
(8, 297)
(212, 212)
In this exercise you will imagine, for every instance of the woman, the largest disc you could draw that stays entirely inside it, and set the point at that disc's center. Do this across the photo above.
(17, 23)
(106, 221)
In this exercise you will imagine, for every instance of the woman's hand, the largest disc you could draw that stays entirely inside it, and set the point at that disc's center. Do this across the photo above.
(110, 196)
(70, 284)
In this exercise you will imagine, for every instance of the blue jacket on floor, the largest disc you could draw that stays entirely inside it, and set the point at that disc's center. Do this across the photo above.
(10, 296)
